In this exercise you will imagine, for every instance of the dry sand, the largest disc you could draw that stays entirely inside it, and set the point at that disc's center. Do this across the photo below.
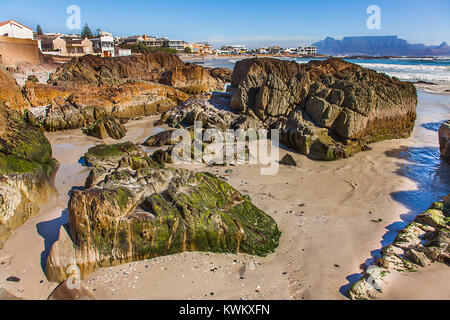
(325, 210)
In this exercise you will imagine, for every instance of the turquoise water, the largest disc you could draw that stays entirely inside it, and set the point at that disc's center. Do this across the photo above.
(430, 70)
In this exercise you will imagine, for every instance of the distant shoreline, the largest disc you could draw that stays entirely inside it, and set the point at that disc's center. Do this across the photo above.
(319, 56)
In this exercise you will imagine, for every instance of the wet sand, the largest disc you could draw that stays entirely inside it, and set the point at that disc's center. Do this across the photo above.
(325, 210)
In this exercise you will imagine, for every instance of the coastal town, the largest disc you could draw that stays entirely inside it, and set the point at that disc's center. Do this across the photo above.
(14, 34)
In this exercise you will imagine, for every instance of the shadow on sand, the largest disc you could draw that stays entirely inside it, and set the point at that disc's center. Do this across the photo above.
(49, 230)
(432, 175)
(433, 126)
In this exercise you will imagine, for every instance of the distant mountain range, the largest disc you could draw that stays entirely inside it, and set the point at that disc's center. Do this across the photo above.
(379, 46)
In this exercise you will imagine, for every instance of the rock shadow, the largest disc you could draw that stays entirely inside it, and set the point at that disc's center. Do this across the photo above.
(49, 230)
(433, 126)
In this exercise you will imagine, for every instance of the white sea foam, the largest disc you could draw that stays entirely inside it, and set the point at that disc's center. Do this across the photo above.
(412, 72)
(408, 72)
(402, 67)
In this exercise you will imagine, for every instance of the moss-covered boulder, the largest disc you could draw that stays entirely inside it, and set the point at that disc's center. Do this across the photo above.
(110, 155)
(140, 212)
(106, 127)
(425, 240)
(26, 170)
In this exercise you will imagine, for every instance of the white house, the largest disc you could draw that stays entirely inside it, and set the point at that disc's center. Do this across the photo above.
(14, 29)
(104, 44)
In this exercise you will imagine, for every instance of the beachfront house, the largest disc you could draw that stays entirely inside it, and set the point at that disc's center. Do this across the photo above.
(121, 52)
(14, 29)
(73, 47)
(104, 44)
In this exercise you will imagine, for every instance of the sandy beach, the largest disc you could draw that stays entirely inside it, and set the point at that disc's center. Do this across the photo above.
(334, 217)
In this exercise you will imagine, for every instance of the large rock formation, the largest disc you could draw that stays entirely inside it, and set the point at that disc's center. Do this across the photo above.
(134, 209)
(125, 101)
(40, 94)
(425, 240)
(444, 140)
(26, 170)
(324, 109)
(157, 66)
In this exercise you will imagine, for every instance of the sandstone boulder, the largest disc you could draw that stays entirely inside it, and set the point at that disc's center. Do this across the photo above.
(160, 139)
(10, 94)
(140, 212)
(161, 67)
(106, 127)
(324, 109)
(73, 109)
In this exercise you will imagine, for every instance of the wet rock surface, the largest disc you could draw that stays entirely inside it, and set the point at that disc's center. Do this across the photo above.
(134, 210)
(26, 171)
(426, 240)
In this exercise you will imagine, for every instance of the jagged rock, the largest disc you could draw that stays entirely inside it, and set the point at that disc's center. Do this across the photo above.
(40, 94)
(106, 127)
(137, 213)
(95, 71)
(158, 67)
(417, 257)
(160, 139)
(110, 155)
(85, 106)
(200, 109)
(10, 94)
(26, 171)
(193, 79)
(425, 240)
(325, 109)
(288, 160)
(162, 157)
(444, 140)
(224, 74)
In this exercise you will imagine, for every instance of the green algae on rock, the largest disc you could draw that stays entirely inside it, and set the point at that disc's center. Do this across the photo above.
(131, 213)
(26, 171)
(111, 154)
(425, 240)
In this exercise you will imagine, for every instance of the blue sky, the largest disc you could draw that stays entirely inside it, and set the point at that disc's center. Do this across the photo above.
(254, 23)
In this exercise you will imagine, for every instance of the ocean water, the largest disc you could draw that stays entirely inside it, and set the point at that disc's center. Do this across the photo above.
(407, 69)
